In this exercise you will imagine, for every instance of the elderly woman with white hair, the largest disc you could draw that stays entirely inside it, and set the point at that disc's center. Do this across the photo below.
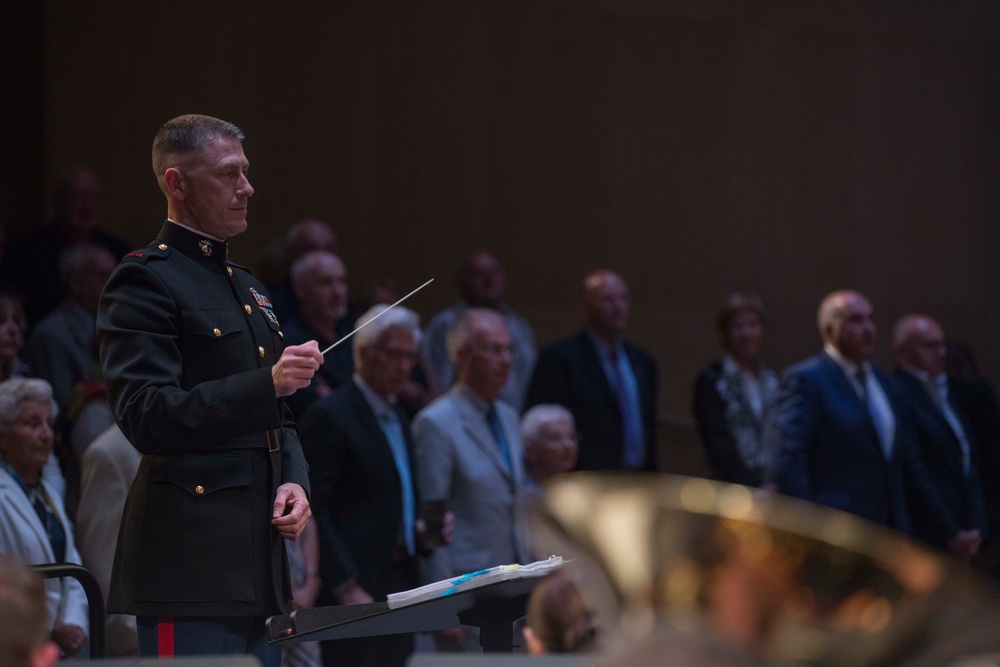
(33, 523)
(549, 437)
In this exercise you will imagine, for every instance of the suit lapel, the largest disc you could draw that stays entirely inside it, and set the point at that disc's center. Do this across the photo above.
(592, 368)
(478, 431)
(378, 448)
(12, 496)
(846, 388)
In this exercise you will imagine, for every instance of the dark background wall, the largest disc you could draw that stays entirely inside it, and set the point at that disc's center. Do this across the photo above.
(697, 147)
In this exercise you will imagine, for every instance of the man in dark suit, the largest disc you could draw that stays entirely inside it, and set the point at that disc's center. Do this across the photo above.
(945, 440)
(196, 379)
(839, 434)
(608, 384)
(360, 453)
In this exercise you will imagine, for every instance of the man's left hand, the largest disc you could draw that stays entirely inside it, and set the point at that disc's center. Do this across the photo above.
(290, 512)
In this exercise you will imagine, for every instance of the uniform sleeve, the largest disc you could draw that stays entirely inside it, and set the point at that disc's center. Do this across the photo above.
(139, 327)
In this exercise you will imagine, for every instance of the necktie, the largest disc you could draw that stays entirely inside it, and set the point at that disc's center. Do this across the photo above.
(628, 405)
(497, 430)
(874, 413)
(397, 443)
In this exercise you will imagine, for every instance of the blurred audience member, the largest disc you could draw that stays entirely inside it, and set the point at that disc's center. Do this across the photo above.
(976, 399)
(24, 630)
(302, 237)
(109, 466)
(733, 396)
(62, 348)
(12, 327)
(558, 618)
(469, 459)
(481, 282)
(360, 452)
(608, 384)
(319, 280)
(33, 523)
(841, 434)
(31, 260)
(550, 444)
(946, 442)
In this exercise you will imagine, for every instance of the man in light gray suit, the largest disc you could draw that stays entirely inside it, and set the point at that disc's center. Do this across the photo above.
(469, 457)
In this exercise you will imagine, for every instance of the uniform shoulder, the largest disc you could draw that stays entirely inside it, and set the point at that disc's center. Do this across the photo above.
(153, 251)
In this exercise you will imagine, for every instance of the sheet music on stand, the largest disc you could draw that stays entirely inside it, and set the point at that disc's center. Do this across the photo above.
(474, 580)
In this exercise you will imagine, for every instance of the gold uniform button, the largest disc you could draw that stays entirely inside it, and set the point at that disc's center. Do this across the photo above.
(199, 490)
(281, 335)
(162, 246)
(248, 309)
(229, 270)
(260, 350)
(217, 333)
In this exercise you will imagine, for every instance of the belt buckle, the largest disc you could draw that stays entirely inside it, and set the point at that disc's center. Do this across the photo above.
(273, 444)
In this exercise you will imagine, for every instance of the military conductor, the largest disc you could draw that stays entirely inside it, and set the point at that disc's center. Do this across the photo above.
(197, 374)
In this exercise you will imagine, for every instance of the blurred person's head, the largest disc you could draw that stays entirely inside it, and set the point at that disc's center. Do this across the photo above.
(386, 350)
(847, 322)
(27, 416)
(741, 325)
(480, 348)
(24, 623)
(918, 343)
(605, 304)
(558, 618)
(85, 269)
(962, 364)
(307, 235)
(77, 202)
(550, 441)
(13, 324)
(319, 282)
(481, 279)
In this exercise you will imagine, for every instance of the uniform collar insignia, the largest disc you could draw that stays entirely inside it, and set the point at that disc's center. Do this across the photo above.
(206, 247)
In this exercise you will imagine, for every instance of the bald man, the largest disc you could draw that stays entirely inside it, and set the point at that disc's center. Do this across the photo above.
(945, 439)
(319, 282)
(609, 385)
(840, 434)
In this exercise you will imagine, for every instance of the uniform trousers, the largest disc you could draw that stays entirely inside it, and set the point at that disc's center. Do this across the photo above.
(166, 636)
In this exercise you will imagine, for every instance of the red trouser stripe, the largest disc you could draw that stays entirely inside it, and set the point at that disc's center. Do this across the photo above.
(165, 636)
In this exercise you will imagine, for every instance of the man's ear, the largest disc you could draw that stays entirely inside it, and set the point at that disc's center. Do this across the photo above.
(173, 183)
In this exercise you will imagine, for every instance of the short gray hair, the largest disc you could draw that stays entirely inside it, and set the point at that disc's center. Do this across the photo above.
(16, 392)
(190, 133)
(368, 336)
(540, 415)
(460, 333)
(73, 259)
(305, 266)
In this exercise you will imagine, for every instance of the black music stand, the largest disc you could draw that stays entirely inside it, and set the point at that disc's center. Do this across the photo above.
(493, 609)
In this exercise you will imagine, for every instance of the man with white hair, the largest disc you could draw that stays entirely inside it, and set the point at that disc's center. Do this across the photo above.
(469, 457)
(361, 469)
(840, 433)
(945, 440)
